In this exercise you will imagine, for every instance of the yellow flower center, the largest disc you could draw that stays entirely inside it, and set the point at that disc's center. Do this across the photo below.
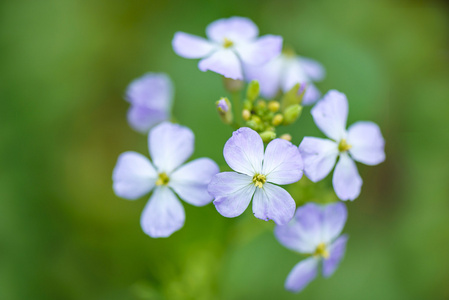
(227, 43)
(321, 250)
(344, 146)
(259, 180)
(163, 179)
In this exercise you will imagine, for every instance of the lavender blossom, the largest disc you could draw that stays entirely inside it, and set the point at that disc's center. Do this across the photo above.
(362, 142)
(151, 98)
(255, 173)
(134, 175)
(231, 41)
(314, 231)
(283, 72)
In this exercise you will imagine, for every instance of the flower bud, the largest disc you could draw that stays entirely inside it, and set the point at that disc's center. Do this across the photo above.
(277, 120)
(246, 114)
(293, 96)
(248, 104)
(253, 90)
(273, 106)
(224, 110)
(267, 136)
(292, 113)
(286, 137)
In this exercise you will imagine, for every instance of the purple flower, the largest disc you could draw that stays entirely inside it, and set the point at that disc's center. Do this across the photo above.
(151, 98)
(362, 142)
(314, 231)
(135, 175)
(231, 41)
(254, 177)
(283, 72)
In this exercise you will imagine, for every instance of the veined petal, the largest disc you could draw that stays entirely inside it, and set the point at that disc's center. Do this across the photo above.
(190, 181)
(191, 46)
(152, 90)
(170, 145)
(142, 119)
(163, 214)
(133, 176)
(243, 152)
(336, 254)
(268, 75)
(282, 163)
(346, 181)
(334, 219)
(367, 143)
(314, 70)
(301, 275)
(224, 62)
(260, 51)
(232, 193)
(273, 203)
(311, 95)
(330, 115)
(319, 156)
(235, 29)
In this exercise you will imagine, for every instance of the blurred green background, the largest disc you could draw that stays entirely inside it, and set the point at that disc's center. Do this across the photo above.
(64, 68)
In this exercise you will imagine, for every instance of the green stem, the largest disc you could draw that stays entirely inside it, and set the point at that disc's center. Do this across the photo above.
(237, 108)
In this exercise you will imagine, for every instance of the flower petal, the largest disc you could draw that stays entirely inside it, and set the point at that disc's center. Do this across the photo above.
(319, 156)
(152, 90)
(293, 74)
(163, 214)
(243, 152)
(337, 251)
(367, 143)
(313, 69)
(291, 236)
(235, 29)
(273, 203)
(330, 115)
(190, 181)
(232, 193)
(224, 62)
(260, 51)
(346, 181)
(268, 75)
(311, 95)
(170, 145)
(301, 275)
(142, 119)
(191, 46)
(133, 176)
(282, 163)
(334, 219)
(310, 222)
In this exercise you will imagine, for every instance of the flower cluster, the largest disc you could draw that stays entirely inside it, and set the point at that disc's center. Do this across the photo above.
(279, 83)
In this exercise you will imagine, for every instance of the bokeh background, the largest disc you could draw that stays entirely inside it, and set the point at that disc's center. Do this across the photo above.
(64, 68)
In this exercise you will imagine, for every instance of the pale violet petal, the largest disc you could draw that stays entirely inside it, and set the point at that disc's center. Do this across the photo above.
(190, 181)
(301, 275)
(273, 203)
(133, 176)
(319, 156)
(268, 76)
(170, 145)
(336, 254)
(235, 29)
(313, 69)
(293, 74)
(191, 46)
(334, 219)
(310, 221)
(330, 115)
(260, 51)
(311, 95)
(232, 193)
(282, 163)
(291, 235)
(224, 62)
(152, 90)
(367, 143)
(163, 214)
(243, 152)
(142, 119)
(346, 180)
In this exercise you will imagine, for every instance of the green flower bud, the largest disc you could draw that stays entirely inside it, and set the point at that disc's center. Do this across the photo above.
(248, 104)
(286, 137)
(253, 90)
(293, 96)
(292, 113)
(246, 114)
(277, 120)
(273, 106)
(267, 136)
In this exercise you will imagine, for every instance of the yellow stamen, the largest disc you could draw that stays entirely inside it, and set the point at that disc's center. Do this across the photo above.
(259, 180)
(343, 146)
(163, 179)
(227, 43)
(321, 250)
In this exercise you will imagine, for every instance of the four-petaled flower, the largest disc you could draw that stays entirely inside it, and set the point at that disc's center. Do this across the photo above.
(314, 231)
(254, 177)
(231, 42)
(363, 141)
(283, 72)
(170, 145)
(151, 98)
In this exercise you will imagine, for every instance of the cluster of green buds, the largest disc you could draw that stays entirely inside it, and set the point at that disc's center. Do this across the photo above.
(264, 116)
